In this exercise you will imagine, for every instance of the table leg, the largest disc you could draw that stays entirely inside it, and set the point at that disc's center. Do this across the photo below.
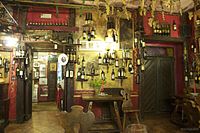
(117, 116)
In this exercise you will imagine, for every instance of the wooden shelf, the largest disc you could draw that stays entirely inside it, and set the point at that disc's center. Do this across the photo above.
(162, 39)
(54, 27)
(92, 74)
(82, 80)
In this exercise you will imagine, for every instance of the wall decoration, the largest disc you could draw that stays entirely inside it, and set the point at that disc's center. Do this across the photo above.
(53, 66)
(126, 33)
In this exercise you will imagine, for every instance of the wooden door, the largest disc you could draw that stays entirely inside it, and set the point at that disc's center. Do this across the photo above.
(157, 86)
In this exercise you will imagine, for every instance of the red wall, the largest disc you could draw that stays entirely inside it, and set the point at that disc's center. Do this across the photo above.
(12, 91)
(168, 19)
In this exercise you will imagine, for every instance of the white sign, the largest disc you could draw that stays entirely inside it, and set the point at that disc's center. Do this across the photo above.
(45, 15)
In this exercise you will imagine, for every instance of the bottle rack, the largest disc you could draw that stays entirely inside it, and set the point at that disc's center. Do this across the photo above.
(82, 76)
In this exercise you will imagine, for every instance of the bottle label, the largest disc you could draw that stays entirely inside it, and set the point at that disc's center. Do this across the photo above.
(67, 73)
(71, 74)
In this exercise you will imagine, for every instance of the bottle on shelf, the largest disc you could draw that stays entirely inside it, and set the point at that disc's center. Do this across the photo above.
(119, 72)
(71, 73)
(113, 75)
(79, 73)
(130, 67)
(67, 73)
(103, 77)
(138, 78)
(17, 70)
(1, 61)
(93, 32)
(21, 73)
(83, 62)
(174, 25)
(138, 61)
(123, 72)
(116, 62)
(82, 74)
(92, 70)
(100, 59)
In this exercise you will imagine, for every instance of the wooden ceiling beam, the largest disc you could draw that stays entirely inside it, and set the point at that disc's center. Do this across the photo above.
(64, 5)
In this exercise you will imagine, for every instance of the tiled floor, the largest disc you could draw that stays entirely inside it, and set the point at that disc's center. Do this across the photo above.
(49, 122)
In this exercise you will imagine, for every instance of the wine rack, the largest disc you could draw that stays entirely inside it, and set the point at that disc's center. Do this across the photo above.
(162, 29)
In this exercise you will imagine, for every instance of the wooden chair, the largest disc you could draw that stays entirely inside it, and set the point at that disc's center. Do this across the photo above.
(127, 107)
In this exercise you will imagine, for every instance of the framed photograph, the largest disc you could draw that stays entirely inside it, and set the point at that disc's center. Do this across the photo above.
(35, 55)
(53, 66)
(43, 81)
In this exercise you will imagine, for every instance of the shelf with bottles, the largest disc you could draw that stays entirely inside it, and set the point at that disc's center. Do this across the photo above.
(19, 52)
(92, 72)
(163, 29)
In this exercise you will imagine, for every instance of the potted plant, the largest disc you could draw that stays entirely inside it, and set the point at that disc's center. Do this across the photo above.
(96, 84)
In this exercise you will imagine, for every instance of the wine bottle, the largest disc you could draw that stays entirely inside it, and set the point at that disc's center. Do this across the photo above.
(130, 66)
(92, 70)
(1, 61)
(71, 73)
(17, 70)
(99, 59)
(83, 74)
(21, 73)
(138, 61)
(142, 67)
(138, 78)
(186, 78)
(113, 36)
(113, 75)
(67, 73)
(116, 62)
(83, 62)
(103, 75)
(174, 25)
(79, 73)
(23, 51)
(104, 59)
(122, 72)
(93, 32)
(84, 35)
(119, 72)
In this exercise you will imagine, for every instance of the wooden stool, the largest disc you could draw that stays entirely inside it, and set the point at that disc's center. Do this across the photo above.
(128, 110)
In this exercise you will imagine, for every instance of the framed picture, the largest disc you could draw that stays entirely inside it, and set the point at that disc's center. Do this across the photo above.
(35, 55)
(53, 66)
(126, 33)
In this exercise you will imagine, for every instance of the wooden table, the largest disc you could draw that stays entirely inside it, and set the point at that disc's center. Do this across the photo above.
(111, 100)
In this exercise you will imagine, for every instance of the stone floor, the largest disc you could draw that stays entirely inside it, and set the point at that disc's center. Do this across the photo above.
(49, 122)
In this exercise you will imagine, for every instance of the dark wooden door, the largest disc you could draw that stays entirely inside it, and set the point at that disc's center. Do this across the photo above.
(52, 80)
(157, 86)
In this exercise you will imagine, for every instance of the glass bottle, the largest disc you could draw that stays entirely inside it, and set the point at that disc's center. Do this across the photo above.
(116, 62)
(113, 75)
(1, 61)
(92, 70)
(79, 73)
(103, 75)
(99, 59)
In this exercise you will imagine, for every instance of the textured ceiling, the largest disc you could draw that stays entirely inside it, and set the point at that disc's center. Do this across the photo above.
(184, 4)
